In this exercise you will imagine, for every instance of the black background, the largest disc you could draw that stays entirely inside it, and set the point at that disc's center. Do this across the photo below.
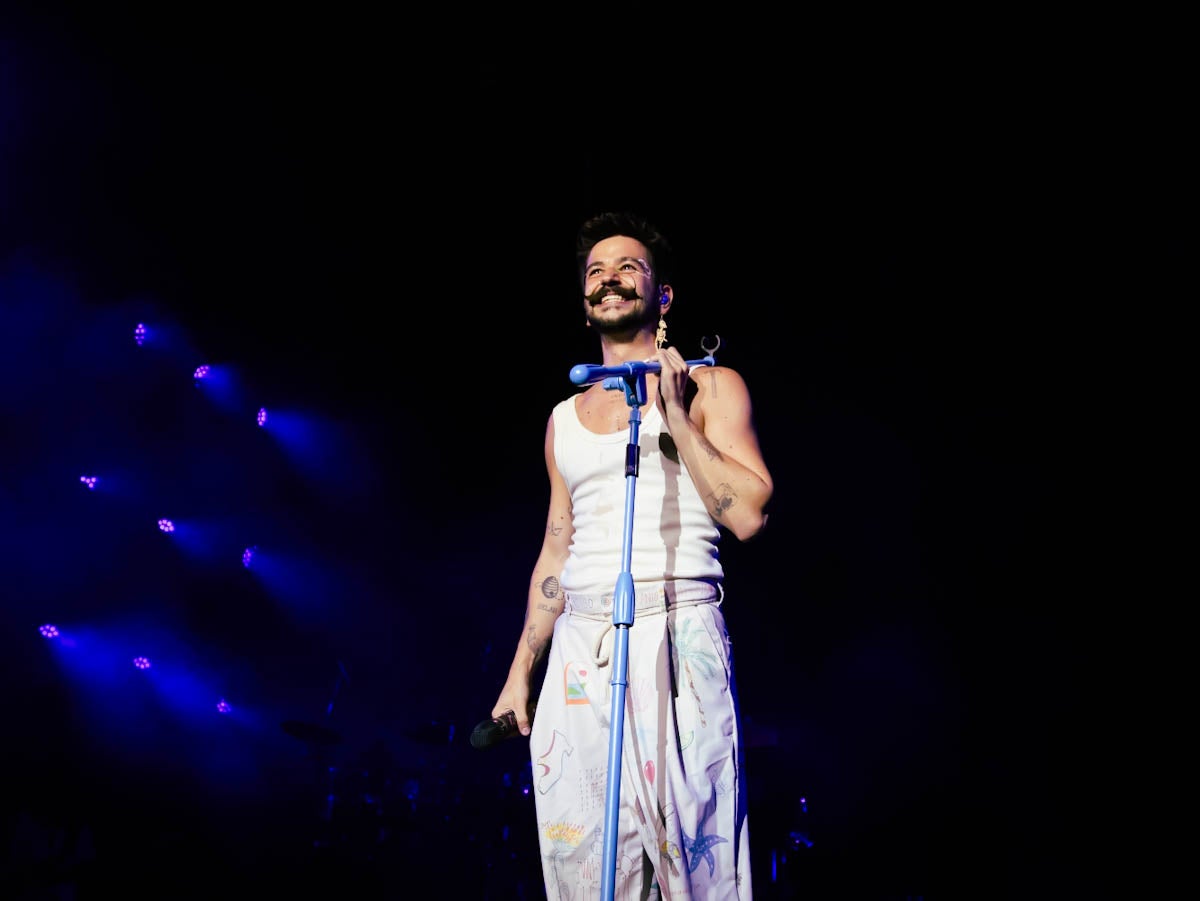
(913, 265)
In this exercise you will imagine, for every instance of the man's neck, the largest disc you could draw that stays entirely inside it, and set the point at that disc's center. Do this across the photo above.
(634, 348)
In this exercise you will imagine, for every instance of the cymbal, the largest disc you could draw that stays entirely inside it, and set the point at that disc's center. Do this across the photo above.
(321, 735)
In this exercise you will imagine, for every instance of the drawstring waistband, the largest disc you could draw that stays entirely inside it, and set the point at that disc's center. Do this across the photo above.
(659, 597)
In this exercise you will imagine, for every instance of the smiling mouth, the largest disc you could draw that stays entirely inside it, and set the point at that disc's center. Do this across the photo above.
(610, 300)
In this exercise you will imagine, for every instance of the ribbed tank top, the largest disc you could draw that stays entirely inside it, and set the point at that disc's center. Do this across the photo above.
(674, 537)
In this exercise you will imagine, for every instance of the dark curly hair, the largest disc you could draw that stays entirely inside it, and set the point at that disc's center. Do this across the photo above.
(631, 225)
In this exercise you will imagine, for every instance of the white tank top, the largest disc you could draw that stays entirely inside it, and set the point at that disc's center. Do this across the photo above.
(674, 537)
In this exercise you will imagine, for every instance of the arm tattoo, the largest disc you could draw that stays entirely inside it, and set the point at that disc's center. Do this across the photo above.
(707, 447)
(536, 645)
(722, 499)
(550, 587)
(549, 608)
(712, 382)
(553, 529)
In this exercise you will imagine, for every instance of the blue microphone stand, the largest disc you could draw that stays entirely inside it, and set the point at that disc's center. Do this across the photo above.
(631, 377)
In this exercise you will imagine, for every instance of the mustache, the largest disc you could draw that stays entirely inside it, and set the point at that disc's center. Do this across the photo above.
(604, 290)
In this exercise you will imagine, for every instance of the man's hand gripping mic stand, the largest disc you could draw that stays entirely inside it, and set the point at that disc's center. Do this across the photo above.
(632, 378)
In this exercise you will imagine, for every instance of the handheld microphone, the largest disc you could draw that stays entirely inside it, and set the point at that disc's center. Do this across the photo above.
(496, 729)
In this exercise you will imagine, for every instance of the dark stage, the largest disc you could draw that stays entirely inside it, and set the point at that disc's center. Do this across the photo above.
(376, 253)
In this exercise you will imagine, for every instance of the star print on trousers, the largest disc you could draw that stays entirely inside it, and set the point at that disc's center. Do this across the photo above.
(700, 848)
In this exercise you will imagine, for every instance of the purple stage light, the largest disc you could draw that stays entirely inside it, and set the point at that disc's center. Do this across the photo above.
(201, 372)
(50, 631)
(90, 481)
(247, 556)
(223, 706)
(166, 525)
(141, 662)
(262, 416)
(139, 334)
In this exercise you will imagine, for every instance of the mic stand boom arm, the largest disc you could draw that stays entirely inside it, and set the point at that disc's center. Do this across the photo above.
(622, 374)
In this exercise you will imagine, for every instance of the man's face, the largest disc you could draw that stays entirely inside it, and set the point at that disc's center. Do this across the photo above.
(618, 285)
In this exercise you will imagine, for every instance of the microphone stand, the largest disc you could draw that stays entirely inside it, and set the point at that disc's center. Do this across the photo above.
(632, 378)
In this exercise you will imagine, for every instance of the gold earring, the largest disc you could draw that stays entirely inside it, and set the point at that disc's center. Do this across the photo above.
(660, 337)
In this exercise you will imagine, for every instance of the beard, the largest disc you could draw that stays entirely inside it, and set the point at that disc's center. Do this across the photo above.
(631, 321)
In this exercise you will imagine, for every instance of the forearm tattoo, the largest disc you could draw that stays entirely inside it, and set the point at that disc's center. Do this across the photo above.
(553, 529)
(722, 499)
(537, 645)
(707, 447)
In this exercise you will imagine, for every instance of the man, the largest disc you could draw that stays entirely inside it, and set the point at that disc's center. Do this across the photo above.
(682, 828)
